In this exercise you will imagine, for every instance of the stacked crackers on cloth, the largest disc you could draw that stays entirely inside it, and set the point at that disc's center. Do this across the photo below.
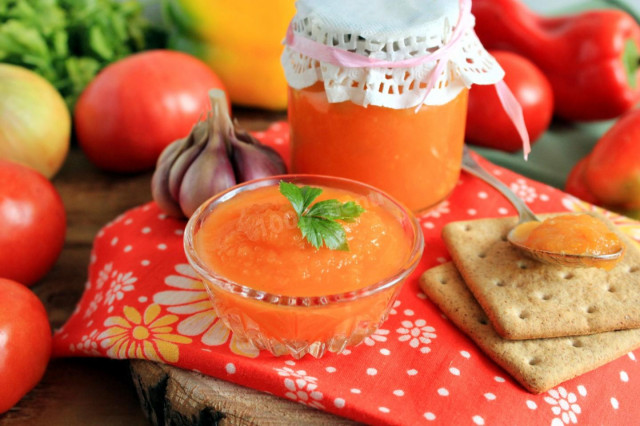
(544, 324)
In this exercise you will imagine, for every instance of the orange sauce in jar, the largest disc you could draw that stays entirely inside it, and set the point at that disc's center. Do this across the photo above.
(253, 240)
(413, 156)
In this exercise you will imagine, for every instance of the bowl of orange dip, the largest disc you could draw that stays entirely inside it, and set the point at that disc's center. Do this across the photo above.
(273, 288)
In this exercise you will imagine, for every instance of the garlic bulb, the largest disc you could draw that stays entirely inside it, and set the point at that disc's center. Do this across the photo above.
(213, 157)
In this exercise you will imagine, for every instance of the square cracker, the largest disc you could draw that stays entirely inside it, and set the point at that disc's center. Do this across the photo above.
(538, 364)
(526, 299)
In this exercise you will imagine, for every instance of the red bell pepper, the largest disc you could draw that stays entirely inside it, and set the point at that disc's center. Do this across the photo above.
(591, 58)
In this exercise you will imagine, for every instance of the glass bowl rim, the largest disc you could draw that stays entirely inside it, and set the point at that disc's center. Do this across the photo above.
(248, 292)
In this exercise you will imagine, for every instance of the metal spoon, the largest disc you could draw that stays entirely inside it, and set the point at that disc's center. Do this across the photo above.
(526, 215)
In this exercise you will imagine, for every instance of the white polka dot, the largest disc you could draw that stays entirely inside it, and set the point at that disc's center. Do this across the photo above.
(127, 249)
(632, 356)
(145, 262)
(472, 212)
(110, 309)
(384, 409)
(356, 391)
(412, 372)
(478, 420)
(385, 351)
(338, 402)
(162, 216)
(114, 241)
(398, 392)
(429, 416)
(128, 221)
(146, 230)
(614, 403)
(465, 354)
(90, 323)
(624, 376)
(179, 231)
(441, 259)
(421, 296)
(499, 379)
(330, 369)
(372, 371)
(428, 225)
(502, 210)
(582, 390)
(454, 371)
(231, 369)
(482, 195)
(93, 258)
(544, 197)
(408, 312)
(531, 404)
(290, 362)
(100, 233)
(142, 299)
(489, 396)
(443, 392)
(162, 246)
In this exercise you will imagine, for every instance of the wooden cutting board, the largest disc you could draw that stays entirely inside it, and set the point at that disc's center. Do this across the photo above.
(172, 396)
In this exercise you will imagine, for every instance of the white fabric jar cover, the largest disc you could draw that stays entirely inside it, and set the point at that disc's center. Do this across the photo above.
(391, 31)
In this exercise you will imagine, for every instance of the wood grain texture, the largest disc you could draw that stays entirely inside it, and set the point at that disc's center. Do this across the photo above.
(172, 396)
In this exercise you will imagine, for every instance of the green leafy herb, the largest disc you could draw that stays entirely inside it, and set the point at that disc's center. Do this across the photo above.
(68, 41)
(318, 221)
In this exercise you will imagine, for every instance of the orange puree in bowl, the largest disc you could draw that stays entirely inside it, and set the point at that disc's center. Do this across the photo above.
(254, 240)
(413, 156)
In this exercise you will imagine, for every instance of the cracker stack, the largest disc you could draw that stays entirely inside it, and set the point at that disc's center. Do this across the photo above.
(544, 324)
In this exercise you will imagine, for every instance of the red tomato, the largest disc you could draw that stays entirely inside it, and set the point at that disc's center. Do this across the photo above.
(137, 106)
(487, 123)
(25, 342)
(32, 223)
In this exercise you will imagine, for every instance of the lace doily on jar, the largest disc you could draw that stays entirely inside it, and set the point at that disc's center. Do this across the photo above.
(388, 31)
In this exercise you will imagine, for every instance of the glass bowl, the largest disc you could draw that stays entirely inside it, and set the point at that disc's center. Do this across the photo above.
(299, 325)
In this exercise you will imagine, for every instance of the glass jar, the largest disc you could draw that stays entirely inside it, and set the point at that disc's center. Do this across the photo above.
(396, 118)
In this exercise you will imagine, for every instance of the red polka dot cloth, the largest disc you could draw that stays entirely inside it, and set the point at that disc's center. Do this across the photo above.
(143, 300)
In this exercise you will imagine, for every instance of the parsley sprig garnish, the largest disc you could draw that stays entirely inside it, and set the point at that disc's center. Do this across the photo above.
(318, 221)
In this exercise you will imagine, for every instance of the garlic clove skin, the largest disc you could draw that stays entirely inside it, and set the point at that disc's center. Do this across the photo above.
(160, 179)
(211, 172)
(252, 160)
(196, 142)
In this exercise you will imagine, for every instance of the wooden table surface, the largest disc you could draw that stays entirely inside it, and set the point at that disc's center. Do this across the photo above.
(85, 391)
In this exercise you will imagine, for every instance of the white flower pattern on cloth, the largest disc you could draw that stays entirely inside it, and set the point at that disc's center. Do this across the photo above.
(189, 297)
(563, 404)
(301, 387)
(103, 275)
(523, 190)
(88, 344)
(438, 211)
(121, 283)
(417, 333)
(94, 304)
(380, 335)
